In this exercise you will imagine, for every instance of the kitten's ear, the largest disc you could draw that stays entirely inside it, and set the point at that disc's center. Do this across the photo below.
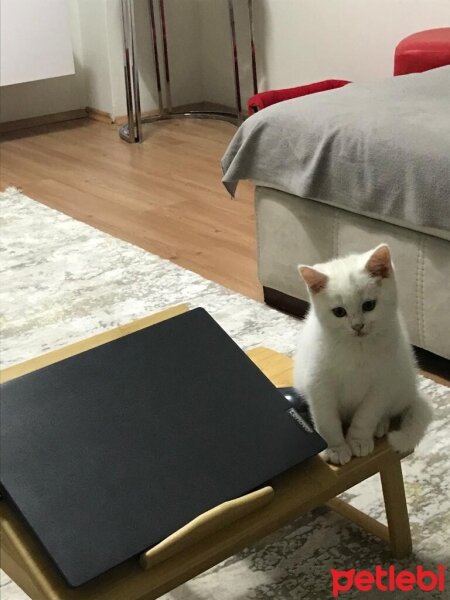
(379, 263)
(315, 280)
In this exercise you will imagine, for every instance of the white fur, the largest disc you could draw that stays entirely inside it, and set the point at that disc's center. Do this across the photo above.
(360, 381)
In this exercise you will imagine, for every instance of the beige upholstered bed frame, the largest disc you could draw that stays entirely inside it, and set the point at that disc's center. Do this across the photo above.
(293, 230)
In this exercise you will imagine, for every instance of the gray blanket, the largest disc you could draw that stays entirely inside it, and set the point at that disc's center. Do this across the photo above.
(379, 148)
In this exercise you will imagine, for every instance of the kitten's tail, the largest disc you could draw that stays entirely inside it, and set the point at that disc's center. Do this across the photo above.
(414, 423)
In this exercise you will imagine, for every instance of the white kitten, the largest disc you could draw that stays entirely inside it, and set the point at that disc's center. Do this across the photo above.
(354, 363)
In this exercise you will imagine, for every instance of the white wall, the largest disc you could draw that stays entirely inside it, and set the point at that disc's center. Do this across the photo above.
(185, 51)
(216, 52)
(95, 61)
(217, 59)
(199, 56)
(300, 41)
(101, 31)
(47, 96)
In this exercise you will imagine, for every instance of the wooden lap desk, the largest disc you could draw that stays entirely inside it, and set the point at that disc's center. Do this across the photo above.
(221, 532)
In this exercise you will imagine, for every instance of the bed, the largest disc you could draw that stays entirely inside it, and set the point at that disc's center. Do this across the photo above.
(346, 169)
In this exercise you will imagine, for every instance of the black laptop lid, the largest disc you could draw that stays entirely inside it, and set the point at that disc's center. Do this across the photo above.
(108, 452)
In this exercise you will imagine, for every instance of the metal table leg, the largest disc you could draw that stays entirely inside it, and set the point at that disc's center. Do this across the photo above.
(155, 56)
(252, 46)
(234, 50)
(132, 131)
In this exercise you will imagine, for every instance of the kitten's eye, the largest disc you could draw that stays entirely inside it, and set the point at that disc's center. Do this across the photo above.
(339, 311)
(369, 305)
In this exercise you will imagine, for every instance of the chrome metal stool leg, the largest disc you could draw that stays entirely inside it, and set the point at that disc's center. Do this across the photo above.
(162, 16)
(132, 131)
(252, 46)
(155, 55)
(234, 50)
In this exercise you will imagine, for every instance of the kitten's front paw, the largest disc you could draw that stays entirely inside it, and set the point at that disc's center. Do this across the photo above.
(360, 446)
(337, 455)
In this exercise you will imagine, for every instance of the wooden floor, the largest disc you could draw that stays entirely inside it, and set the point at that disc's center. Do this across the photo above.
(164, 195)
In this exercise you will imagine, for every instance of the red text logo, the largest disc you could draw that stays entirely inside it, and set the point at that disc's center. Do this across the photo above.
(387, 580)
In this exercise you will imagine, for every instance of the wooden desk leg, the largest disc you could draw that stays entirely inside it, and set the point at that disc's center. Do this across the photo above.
(396, 508)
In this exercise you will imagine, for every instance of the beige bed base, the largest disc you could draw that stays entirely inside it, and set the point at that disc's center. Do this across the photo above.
(293, 230)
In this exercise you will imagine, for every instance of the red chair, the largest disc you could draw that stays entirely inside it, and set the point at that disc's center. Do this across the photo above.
(423, 51)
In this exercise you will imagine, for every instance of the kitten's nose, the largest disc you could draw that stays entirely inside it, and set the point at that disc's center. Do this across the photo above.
(358, 326)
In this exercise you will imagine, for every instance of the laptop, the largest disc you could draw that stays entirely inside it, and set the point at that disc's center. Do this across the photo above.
(108, 452)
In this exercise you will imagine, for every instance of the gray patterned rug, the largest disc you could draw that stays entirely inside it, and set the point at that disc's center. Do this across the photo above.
(62, 280)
